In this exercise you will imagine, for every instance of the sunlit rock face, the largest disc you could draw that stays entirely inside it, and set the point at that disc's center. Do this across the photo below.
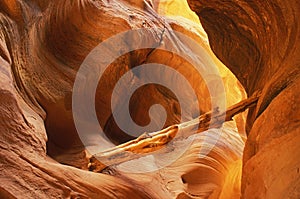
(259, 42)
(44, 43)
(182, 19)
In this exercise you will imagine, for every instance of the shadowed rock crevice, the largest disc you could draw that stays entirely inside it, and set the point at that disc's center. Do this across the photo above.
(42, 45)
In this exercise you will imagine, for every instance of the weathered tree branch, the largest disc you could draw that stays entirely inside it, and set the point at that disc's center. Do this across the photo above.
(150, 142)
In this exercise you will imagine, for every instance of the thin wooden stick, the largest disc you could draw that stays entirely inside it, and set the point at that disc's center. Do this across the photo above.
(150, 142)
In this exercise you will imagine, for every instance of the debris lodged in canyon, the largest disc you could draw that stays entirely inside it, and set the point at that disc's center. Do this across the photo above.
(43, 45)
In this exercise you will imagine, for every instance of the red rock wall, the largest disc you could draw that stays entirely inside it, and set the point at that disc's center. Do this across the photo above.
(259, 42)
(43, 43)
(42, 46)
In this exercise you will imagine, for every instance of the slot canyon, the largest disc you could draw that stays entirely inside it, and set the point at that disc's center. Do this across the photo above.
(150, 99)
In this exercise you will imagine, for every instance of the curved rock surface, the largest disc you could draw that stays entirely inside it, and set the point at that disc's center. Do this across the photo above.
(259, 42)
(42, 45)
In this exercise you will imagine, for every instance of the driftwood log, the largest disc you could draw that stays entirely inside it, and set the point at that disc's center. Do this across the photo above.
(150, 142)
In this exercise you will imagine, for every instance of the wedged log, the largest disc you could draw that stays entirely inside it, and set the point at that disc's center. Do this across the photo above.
(151, 142)
(39, 60)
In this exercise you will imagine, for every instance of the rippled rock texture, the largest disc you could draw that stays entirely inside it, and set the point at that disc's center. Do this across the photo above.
(259, 42)
(43, 44)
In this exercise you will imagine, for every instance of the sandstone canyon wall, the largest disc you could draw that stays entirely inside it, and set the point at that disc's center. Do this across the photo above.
(259, 42)
(43, 44)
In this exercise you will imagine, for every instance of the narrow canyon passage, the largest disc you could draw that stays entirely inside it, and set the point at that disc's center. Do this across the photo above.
(110, 99)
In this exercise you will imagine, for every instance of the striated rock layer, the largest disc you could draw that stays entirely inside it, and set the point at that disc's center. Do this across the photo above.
(259, 41)
(42, 45)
